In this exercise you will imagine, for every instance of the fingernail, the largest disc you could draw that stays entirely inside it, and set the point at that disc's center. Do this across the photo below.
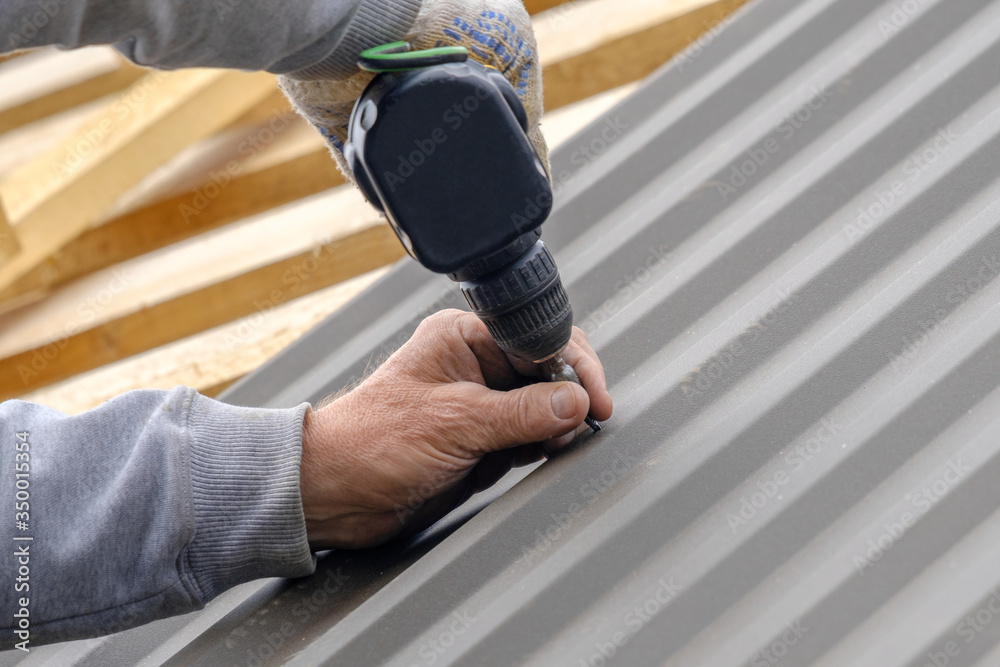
(563, 402)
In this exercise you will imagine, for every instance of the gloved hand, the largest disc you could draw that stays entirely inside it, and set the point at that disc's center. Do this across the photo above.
(497, 33)
(445, 416)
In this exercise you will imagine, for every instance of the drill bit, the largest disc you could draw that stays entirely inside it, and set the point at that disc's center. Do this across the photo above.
(555, 369)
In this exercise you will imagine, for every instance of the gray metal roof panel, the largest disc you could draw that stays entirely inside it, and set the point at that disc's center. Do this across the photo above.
(788, 261)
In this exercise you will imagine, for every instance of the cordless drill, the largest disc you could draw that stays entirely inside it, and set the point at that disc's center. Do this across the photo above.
(439, 144)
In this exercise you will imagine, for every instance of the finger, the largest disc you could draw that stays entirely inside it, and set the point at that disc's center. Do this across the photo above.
(588, 367)
(581, 339)
(554, 445)
(535, 413)
(500, 374)
(582, 352)
(496, 367)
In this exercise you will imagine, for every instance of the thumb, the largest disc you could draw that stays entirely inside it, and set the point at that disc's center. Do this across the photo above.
(534, 413)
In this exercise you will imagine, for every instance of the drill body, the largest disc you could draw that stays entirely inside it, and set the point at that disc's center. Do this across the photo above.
(441, 148)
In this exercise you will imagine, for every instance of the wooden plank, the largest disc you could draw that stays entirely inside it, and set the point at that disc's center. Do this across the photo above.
(601, 44)
(561, 125)
(176, 219)
(9, 246)
(49, 81)
(24, 144)
(295, 169)
(63, 192)
(190, 313)
(14, 54)
(192, 287)
(274, 103)
(210, 361)
(538, 6)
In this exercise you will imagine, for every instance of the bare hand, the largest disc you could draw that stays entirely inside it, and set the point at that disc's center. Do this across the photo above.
(444, 417)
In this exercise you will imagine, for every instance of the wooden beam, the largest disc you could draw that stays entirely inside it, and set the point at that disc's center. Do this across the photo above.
(48, 82)
(176, 219)
(307, 171)
(180, 217)
(274, 103)
(14, 54)
(53, 199)
(24, 144)
(210, 361)
(192, 287)
(596, 45)
(9, 246)
(538, 6)
(562, 124)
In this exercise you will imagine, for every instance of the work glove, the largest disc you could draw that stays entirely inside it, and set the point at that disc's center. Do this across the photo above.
(497, 33)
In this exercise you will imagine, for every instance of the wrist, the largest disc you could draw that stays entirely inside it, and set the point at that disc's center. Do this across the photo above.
(330, 476)
(319, 479)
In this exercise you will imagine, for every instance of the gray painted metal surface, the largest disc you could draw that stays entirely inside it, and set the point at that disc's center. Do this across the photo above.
(786, 249)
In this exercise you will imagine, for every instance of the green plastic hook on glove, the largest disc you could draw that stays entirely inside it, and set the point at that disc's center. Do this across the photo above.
(398, 57)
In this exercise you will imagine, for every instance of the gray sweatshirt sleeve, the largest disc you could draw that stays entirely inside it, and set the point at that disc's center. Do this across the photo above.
(309, 38)
(146, 507)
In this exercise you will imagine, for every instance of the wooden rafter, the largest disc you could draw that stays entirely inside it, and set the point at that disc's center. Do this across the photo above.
(9, 246)
(193, 286)
(181, 216)
(598, 45)
(209, 361)
(63, 192)
(48, 82)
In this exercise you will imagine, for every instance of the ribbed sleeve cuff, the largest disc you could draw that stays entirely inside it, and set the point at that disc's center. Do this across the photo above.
(376, 22)
(246, 504)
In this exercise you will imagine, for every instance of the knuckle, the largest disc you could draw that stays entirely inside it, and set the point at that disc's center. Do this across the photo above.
(462, 319)
(436, 319)
(438, 322)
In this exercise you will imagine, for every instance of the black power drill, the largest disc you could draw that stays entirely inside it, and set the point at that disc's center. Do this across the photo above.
(439, 144)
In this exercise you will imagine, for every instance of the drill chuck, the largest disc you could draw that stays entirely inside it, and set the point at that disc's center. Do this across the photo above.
(524, 305)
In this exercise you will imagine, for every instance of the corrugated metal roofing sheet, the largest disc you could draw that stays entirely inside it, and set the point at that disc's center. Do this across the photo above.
(785, 248)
